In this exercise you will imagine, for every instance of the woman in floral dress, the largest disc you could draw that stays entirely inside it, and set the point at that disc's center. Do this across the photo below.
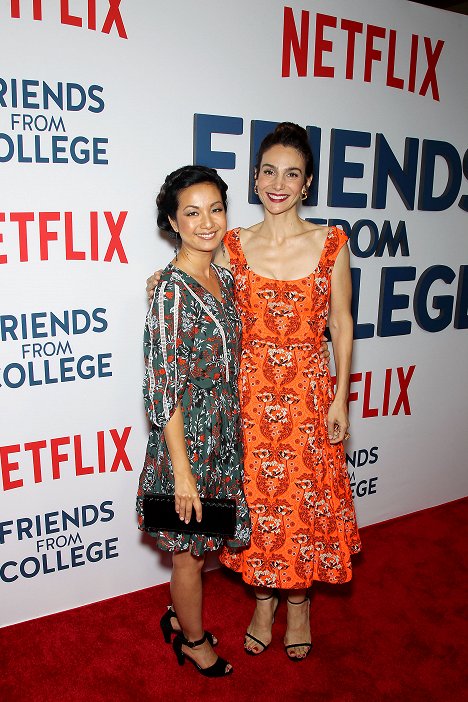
(291, 277)
(191, 344)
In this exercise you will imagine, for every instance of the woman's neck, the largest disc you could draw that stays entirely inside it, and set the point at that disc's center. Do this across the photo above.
(280, 226)
(195, 263)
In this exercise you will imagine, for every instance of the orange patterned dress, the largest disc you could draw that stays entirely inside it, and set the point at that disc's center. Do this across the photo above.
(296, 483)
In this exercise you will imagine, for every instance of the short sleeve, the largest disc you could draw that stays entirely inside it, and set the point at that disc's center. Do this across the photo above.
(167, 344)
(232, 243)
(336, 239)
(341, 239)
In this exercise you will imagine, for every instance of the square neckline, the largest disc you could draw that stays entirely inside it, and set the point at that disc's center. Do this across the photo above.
(279, 280)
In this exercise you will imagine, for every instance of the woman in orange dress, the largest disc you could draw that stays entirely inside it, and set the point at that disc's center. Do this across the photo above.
(290, 277)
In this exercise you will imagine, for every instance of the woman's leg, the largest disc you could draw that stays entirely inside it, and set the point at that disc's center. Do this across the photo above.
(298, 624)
(262, 620)
(186, 592)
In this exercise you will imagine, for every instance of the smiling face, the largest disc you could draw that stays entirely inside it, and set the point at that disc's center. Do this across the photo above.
(200, 218)
(281, 178)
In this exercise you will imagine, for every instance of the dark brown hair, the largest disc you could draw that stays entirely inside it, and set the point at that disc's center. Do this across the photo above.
(288, 134)
(168, 199)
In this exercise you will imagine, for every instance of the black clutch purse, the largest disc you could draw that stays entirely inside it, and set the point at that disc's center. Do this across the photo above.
(218, 516)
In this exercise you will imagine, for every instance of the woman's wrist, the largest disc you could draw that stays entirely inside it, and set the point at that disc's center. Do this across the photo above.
(181, 469)
(341, 399)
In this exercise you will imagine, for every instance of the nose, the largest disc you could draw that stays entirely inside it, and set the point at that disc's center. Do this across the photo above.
(278, 181)
(207, 220)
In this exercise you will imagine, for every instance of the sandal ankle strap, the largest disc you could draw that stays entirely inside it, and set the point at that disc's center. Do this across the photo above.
(264, 599)
(192, 644)
(306, 599)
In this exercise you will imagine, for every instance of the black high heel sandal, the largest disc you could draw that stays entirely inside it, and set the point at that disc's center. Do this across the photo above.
(217, 670)
(167, 628)
(254, 638)
(307, 645)
(165, 624)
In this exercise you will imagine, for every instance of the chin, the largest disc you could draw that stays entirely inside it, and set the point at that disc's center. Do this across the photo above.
(207, 246)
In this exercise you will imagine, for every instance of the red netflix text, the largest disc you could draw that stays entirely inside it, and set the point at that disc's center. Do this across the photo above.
(375, 44)
(365, 389)
(100, 238)
(64, 456)
(100, 15)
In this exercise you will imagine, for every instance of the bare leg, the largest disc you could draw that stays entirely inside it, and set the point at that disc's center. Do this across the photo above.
(186, 591)
(262, 621)
(298, 626)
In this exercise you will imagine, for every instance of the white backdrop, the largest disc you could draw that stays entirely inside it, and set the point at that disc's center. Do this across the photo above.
(97, 103)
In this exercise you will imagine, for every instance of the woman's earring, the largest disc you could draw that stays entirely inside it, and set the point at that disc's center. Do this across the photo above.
(255, 189)
(176, 247)
(304, 193)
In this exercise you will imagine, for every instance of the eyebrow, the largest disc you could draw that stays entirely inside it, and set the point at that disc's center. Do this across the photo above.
(195, 207)
(290, 168)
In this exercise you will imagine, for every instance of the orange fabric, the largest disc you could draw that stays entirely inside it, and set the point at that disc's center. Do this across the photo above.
(296, 483)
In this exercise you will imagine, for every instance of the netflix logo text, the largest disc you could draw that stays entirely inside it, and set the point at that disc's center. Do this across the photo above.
(39, 236)
(103, 16)
(317, 57)
(378, 394)
(43, 460)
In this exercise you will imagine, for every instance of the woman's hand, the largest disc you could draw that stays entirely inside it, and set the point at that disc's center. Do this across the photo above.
(337, 422)
(324, 352)
(151, 283)
(185, 484)
(186, 497)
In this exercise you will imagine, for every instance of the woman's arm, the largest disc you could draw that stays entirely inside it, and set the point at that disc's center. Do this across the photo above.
(340, 323)
(167, 349)
(186, 493)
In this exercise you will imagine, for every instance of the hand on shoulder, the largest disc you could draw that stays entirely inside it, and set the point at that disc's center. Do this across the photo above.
(154, 279)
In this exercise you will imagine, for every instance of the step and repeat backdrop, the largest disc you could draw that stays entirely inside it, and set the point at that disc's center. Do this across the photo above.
(99, 99)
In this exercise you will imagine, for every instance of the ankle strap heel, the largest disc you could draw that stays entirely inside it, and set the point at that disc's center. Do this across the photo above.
(168, 630)
(192, 644)
(274, 593)
(217, 670)
(306, 645)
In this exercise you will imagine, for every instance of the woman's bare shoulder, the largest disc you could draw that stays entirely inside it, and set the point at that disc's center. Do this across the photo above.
(317, 232)
(246, 233)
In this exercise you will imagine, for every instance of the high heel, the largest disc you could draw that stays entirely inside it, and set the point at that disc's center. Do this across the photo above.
(217, 670)
(165, 624)
(167, 628)
(264, 646)
(307, 645)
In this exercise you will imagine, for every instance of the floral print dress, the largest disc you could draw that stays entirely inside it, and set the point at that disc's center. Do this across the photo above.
(191, 348)
(296, 482)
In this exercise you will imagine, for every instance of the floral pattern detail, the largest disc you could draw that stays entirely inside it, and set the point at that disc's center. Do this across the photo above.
(191, 348)
(296, 483)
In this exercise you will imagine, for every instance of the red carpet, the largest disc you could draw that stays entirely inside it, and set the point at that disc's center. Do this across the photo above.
(397, 632)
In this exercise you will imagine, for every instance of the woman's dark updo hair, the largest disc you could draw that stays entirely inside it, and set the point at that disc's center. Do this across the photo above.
(168, 198)
(288, 134)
